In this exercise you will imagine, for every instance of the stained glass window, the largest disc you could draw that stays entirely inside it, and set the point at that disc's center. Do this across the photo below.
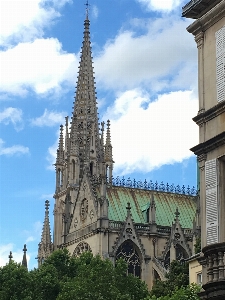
(128, 252)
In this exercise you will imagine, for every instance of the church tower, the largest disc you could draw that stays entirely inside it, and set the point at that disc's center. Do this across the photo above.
(112, 217)
(81, 150)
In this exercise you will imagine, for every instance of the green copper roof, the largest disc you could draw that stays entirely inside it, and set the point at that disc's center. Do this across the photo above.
(166, 204)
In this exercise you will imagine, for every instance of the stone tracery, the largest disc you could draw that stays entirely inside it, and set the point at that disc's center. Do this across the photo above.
(81, 248)
(128, 252)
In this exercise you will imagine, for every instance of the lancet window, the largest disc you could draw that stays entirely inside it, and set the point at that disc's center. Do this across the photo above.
(128, 252)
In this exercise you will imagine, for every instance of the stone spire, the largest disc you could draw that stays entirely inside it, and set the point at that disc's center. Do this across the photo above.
(45, 246)
(60, 161)
(24, 261)
(108, 152)
(84, 134)
(60, 150)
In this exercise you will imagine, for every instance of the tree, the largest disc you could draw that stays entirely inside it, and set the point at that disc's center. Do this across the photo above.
(98, 279)
(64, 277)
(189, 292)
(176, 278)
(15, 282)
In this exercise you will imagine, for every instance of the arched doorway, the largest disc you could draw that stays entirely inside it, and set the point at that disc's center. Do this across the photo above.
(129, 252)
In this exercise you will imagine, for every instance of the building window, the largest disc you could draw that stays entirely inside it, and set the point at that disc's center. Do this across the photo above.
(199, 278)
(211, 201)
(220, 63)
(128, 252)
(73, 169)
(91, 168)
(81, 248)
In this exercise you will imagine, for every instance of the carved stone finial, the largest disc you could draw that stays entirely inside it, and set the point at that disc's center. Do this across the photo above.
(87, 9)
(176, 215)
(25, 248)
(128, 208)
(47, 205)
(66, 118)
(10, 256)
(103, 126)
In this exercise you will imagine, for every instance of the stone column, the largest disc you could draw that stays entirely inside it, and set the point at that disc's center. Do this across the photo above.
(199, 39)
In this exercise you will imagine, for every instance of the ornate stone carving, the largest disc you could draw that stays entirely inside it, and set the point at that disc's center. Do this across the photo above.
(81, 248)
(84, 209)
(84, 185)
(91, 214)
(75, 223)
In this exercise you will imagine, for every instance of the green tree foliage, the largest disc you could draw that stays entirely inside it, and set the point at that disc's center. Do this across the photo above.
(177, 277)
(64, 277)
(183, 293)
(89, 278)
(98, 279)
(14, 282)
(197, 245)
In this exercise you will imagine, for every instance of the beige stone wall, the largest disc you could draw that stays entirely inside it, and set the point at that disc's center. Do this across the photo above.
(194, 269)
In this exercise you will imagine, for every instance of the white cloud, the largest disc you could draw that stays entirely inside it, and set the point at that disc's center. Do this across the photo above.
(94, 11)
(13, 115)
(13, 150)
(46, 196)
(34, 233)
(52, 150)
(29, 239)
(41, 66)
(49, 118)
(4, 254)
(51, 156)
(162, 5)
(25, 20)
(145, 139)
(152, 59)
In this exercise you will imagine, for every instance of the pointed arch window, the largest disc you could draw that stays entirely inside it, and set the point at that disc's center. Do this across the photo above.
(59, 177)
(129, 252)
(91, 168)
(73, 169)
(181, 254)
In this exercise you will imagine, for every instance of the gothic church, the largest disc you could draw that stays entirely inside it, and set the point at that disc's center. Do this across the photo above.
(147, 224)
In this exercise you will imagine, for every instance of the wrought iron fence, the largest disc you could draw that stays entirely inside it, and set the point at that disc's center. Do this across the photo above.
(146, 185)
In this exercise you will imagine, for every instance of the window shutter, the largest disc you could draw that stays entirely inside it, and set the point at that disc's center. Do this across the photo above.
(211, 202)
(220, 64)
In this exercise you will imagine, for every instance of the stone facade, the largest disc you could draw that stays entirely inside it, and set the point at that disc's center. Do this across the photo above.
(148, 225)
(209, 33)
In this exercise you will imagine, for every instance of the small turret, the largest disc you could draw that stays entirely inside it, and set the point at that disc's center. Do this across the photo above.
(24, 261)
(108, 152)
(152, 211)
(60, 161)
(45, 246)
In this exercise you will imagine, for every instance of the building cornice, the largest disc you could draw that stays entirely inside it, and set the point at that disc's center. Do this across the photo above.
(207, 20)
(211, 113)
(209, 145)
(196, 8)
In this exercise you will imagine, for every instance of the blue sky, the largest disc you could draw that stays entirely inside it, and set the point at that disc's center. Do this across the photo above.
(145, 66)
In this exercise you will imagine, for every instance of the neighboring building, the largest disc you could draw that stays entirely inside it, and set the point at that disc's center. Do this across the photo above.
(147, 224)
(195, 269)
(209, 33)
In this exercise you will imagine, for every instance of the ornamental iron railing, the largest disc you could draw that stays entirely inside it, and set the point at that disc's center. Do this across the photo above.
(146, 185)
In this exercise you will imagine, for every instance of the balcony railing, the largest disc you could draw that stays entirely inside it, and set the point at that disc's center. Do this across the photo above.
(214, 262)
